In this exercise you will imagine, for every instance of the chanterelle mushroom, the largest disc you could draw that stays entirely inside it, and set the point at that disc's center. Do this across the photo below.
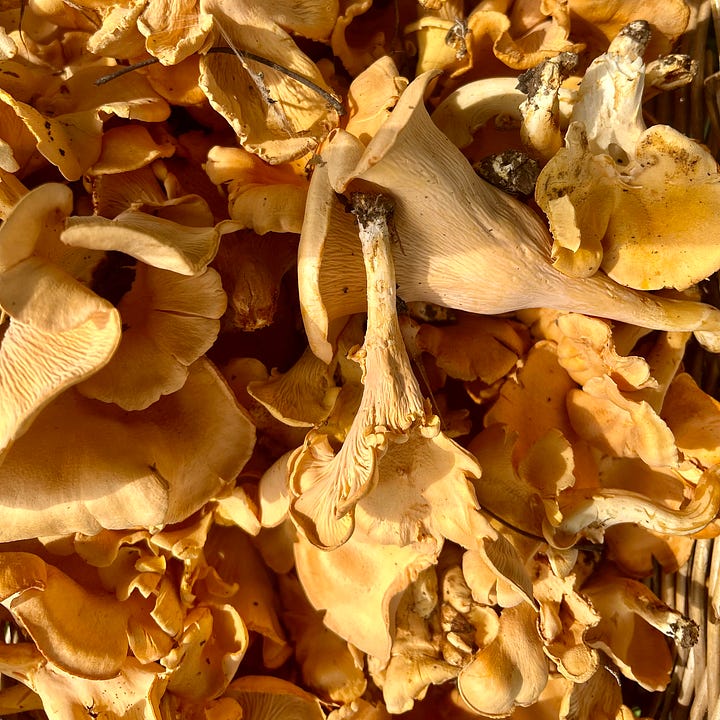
(462, 243)
(638, 202)
(327, 486)
(54, 332)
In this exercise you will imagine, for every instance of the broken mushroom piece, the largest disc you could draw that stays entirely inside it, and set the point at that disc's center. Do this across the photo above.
(589, 512)
(454, 230)
(302, 396)
(540, 129)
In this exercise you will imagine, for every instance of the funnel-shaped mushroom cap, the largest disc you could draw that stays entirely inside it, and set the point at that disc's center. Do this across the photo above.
(462, 243)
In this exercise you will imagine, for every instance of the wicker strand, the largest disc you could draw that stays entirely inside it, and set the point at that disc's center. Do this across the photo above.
(712, 672)
(685, 664)
(698, 612)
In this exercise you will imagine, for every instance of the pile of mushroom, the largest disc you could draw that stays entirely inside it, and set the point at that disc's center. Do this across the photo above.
(301, 415)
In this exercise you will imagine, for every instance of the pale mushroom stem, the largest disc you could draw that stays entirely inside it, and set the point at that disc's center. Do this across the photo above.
(540, 128)
(383, 348)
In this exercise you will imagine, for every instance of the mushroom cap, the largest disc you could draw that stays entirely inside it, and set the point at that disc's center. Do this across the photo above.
(117, 457)
(512, 670)
(260, 103)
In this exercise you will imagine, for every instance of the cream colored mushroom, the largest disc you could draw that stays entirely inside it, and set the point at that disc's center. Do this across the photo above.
(154, 240)
(464, 244)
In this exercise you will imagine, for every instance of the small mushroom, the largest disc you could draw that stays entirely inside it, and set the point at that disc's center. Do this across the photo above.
(207, 652)
(128, 147)
(564, 620)
(262, 197)
(372, 96)
(511, 671)
(631, 628)
(303, 396)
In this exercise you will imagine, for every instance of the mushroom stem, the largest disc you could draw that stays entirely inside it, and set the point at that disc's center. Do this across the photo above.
(383, 346)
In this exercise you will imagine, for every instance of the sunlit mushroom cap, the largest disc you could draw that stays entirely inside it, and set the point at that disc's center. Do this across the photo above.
(447, 243)
(119, 457)
(46, 308)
